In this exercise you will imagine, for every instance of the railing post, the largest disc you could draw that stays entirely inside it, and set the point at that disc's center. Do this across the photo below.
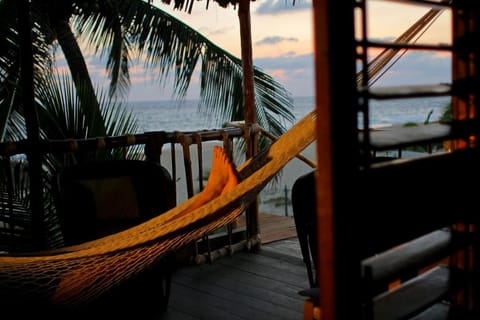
(154, 145)
(249, 110)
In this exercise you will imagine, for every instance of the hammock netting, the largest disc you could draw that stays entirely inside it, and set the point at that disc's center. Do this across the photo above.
(79, 274)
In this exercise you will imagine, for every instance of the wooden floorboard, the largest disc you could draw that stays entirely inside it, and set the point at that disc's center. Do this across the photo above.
(261, 285)
(274, 227)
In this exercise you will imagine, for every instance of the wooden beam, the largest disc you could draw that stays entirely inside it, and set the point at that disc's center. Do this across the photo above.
(248, 100)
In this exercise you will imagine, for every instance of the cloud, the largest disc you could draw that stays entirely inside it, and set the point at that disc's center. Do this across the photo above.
(275, 40)
(296, 72)
(281, 6)
(293, 71)
(418, 67)
(287, 61)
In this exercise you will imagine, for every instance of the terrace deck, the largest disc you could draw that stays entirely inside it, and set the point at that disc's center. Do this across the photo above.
(262, 285)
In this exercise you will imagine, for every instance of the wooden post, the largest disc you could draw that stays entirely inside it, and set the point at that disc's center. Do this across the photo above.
(34, 155)
(248, 101)
(338, 264)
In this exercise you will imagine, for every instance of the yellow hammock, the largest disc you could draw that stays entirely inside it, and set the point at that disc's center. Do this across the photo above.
(79, 274)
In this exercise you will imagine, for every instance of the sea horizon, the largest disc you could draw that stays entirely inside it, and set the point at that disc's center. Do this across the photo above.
(183, 115)
(172, 115)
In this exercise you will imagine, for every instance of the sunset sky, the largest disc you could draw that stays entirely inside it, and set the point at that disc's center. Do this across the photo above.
(283, 47)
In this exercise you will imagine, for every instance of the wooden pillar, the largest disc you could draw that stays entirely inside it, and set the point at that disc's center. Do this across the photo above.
(338, 264)
(325, 220)
(34, 155)
(249, 108)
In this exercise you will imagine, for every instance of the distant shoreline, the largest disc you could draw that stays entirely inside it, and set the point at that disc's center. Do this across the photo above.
(195, 100)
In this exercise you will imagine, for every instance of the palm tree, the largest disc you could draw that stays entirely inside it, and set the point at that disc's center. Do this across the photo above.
(61, 114)
(120, 30)
(127, 29)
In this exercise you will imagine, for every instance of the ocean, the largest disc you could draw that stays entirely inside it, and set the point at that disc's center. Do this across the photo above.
(275, 198)
(169, 115)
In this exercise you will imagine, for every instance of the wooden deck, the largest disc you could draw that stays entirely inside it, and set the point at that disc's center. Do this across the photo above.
(275, 227)
(262, 285)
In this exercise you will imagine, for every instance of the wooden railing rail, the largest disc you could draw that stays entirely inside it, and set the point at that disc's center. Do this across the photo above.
(154, 145)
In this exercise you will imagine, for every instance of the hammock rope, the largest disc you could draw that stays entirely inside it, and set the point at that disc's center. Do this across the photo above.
(79, 274)
(382, 62)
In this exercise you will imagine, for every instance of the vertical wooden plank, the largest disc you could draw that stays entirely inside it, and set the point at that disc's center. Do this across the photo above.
(324, 190)
(461, 68)
(248, 100)
(465, 29)
(337, 157)
(31, 118)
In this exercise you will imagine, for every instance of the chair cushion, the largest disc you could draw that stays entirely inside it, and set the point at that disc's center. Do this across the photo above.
(115, 198)
(99, 198)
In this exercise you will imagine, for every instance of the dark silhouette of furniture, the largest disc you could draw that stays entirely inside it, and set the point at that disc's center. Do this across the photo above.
(100, 198)
(304, 214)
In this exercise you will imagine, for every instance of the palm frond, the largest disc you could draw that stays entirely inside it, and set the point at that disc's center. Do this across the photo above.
(104, 30)
(10, 91)
(62, 114)
(168, 45)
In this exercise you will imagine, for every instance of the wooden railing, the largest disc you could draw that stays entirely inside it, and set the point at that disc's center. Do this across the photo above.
(166, 148)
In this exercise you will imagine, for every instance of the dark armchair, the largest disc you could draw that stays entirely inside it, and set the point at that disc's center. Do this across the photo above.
(99, 198)
(304, 214)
